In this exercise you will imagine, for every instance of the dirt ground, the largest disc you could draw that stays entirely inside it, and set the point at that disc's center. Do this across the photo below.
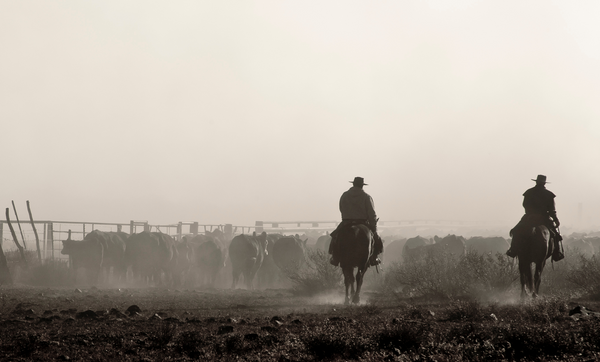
(160, 324)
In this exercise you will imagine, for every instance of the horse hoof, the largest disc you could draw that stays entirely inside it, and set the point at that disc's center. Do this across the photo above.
(355, 300)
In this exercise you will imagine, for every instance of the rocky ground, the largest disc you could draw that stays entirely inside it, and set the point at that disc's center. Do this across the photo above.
(147, 324)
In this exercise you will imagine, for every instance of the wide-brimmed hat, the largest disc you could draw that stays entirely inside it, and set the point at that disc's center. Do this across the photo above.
(359, 181)
(540, 178)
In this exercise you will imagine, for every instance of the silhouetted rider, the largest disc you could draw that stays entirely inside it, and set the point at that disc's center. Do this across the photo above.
(357, 207)
(539, 207)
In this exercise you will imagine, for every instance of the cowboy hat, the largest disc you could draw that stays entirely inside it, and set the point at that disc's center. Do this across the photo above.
(540, 178)
(359, 181)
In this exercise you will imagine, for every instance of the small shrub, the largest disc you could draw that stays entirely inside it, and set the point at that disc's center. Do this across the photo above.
(460, 310)
(163, 334)
(334, 342)
(443, 277)
(317, 276)
(189, 343)
(27, 344)
(586, 275)
(405, 337)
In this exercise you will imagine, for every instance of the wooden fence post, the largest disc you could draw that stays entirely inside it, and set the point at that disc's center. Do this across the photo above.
(50, 242)
(5, 277)
(12, 231)
(37, 239)
(19, 223)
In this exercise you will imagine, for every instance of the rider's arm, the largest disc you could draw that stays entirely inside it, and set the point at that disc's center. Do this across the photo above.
(371, 215)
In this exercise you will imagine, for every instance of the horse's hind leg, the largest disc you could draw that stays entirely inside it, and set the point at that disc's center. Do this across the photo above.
(359, 280)
(526, 278)
(349, 283)
(539, 268)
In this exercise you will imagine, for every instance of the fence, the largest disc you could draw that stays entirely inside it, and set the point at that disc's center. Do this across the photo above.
(52, 233)
(388, 226)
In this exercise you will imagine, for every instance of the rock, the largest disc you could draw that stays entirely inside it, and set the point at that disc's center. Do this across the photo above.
(88, 314)
(268, 329)
(251, 337)
(225, 329)
(580, 310)
(155, 317)
(133, 309)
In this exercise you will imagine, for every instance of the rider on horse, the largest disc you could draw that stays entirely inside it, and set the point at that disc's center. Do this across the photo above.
(356, 207)
(539, 210)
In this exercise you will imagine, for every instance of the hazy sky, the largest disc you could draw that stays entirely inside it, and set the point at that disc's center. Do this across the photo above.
(232, 112)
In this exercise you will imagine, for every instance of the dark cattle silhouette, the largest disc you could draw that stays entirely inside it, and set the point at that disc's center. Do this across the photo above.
(412, 244)
(533, 245)
(289, 253)
(323, 242)
(269, 275)
(182, 262)
(595, 241)
(355, 249)
(450, 246)
(393, 251)
(150, 254)
(98, 251)
(246, 254)
(578, 246)
(209, 258)
(487, 245)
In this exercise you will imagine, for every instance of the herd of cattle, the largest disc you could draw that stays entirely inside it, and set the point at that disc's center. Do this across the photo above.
(154, 258)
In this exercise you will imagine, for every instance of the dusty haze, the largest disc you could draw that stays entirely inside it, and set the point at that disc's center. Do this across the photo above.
(229, 112)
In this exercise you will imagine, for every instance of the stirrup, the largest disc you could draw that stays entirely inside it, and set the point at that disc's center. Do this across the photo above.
(557, 256)
(374, 262)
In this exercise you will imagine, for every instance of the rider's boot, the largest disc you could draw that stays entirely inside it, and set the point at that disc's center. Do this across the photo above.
(557, 254)
(374, 260)
(512, 251)
(332, 250)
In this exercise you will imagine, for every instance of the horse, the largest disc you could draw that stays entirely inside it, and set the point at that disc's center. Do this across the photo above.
(534, 246)
(354, 250)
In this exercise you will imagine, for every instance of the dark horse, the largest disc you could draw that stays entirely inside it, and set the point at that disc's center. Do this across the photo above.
(354, 250)
(534, 245)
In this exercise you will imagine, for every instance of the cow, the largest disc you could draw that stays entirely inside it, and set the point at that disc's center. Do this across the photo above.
(246, 254)
(487, 245)
(98, 251)
(150, 254)
(450, 246)
(411, 245)
(209, 258)
(595, 241)
(289, 253)
(393, 251)
(323, 242)
(182, 262)
(579, 246)
(269, 274)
